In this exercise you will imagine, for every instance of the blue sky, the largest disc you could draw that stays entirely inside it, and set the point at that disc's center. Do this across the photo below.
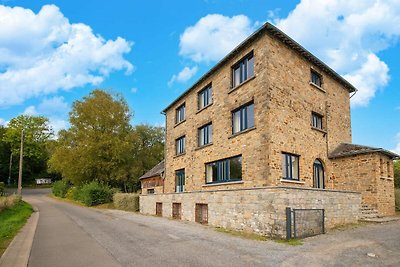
(55, 52)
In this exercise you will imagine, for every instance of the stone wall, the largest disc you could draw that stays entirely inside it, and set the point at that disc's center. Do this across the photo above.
(154, 182)
(261, 210)
(372, 175)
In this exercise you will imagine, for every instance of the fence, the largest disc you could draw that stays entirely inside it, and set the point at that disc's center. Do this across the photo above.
(302, 223)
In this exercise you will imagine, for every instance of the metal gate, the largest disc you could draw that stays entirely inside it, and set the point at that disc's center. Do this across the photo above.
(302, 223)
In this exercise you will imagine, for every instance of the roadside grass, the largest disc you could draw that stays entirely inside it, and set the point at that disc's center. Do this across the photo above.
(11, 221)
(242, 234)
(291, 242)
(75, 202)
(342, 227)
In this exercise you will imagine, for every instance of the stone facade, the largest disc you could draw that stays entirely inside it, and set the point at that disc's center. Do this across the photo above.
(152, 185)
(261, 210)
(372, 175)
(284, 99)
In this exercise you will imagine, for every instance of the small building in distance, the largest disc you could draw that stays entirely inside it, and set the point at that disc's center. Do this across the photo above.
(152, 181)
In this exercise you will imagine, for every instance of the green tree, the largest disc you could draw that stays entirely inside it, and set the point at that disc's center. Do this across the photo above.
(5, 152)
(148, 151)
(37, 133)
(98, 145)
(397, 173)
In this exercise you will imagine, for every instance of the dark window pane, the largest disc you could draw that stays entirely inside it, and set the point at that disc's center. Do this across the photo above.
(250, 116)
(250, 67)
(224, 170)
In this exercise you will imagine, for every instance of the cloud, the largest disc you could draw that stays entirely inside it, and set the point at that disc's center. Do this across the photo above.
(134, 90)
(3, 122)
(43, 53)
(53, 105)
(30, 111)
(348, 35)
(58, 124)
(183, 76)
(214, 36)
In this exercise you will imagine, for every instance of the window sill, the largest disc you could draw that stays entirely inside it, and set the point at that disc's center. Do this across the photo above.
(387, 178)
(203, 108)
(242, 132)
(318, 87)
(176, 124)
(182, 154)
(283, 180)
(201, 147)
(319, 130)
(222, 183)
(240, 85)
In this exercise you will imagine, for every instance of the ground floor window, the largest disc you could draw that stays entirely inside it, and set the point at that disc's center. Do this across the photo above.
(224, 170)
(318, 174)
(180, 180)
(150, 191)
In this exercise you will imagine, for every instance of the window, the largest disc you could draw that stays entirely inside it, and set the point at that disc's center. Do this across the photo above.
(180, 113)
(205, 135)
(150, 191)
(243, 70)
(290, 166)
(180, 145)
(205, 97)
(316, 120)
(316, 78)
(224, 170)
(180, 180)
(243, 118)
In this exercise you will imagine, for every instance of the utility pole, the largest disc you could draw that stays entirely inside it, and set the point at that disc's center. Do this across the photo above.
(20, 164)
(9, 171)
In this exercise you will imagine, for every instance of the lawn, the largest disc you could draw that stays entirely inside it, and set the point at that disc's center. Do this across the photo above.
(11, 221)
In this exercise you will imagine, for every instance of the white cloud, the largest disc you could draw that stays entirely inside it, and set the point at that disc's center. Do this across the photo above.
(58, 124)
(3, 122)
(134, 90)
(30, 111)
(397, 148)
(347, 35)
(43, 53)
(53, 105)
(183, 76)
(214, 36)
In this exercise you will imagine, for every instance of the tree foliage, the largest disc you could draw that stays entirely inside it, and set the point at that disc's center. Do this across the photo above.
(397, 173)
(37, 133)
(97, 146)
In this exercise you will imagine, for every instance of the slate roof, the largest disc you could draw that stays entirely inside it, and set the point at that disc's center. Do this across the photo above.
(278, 34)
(346, 150)
(155, 171)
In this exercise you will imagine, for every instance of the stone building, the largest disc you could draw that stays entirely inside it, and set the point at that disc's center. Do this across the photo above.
(152, 181)
(267, 128)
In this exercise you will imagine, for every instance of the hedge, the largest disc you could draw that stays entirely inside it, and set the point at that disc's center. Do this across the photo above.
(129, 202)
(60, 188)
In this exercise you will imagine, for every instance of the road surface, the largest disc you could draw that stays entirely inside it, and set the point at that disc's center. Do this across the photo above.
(70, 235)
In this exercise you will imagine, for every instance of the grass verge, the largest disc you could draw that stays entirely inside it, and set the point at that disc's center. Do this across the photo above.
(11, 221)
(242, 234)
(75, 202)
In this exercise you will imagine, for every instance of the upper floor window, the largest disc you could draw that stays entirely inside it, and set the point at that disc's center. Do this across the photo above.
(224, 170)
(205, 97)
(205, 135)
(180, 145)
(180, 113)
(243, 118)
(180, 180)
(316, 120)
(316, 78)
(243, 70)
(290, 166)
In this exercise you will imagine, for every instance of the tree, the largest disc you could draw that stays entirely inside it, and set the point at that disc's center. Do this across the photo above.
(98, 145)
(396, 173)
(5, 152)
(148, 151)
(37, 133)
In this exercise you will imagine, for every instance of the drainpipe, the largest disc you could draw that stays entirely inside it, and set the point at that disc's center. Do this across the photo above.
(165, 153)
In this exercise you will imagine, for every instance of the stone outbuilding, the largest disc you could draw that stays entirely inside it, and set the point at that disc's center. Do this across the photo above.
(152, 181)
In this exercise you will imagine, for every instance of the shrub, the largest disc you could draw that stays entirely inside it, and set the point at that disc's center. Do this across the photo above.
(397, 198)
(9, 202)
(60, 188)
(93, 193)
(1, 188)
(128, 202)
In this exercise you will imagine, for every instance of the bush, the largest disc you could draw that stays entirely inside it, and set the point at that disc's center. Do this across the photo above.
(60, 188)
(9, 202)
(1, 188)
(128, 202)
(397, 198)
(93, 193)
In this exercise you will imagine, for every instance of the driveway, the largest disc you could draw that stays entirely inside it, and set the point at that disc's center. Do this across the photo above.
(69, 235)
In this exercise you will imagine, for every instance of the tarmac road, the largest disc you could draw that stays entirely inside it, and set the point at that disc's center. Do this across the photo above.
(69, 235)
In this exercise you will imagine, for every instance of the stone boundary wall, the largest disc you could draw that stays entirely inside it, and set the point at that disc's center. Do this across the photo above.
(261, 210)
